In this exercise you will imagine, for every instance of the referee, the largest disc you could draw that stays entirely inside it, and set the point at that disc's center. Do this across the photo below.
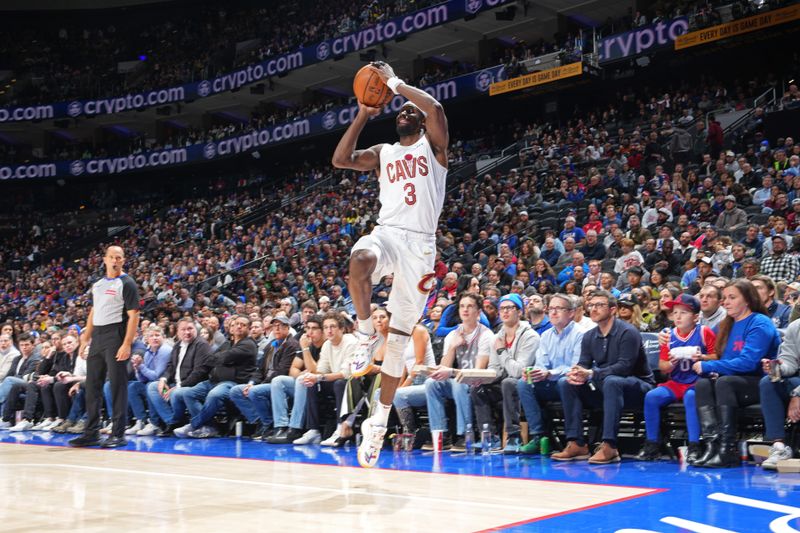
(111, 327)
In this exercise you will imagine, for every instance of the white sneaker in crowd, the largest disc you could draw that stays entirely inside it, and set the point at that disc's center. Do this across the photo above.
(53, 424)
(183, 431)
(330, 441)
(133, 430)
(148, 431)
(42, 425)
(22, 425)
(312, 436)
(777, 452)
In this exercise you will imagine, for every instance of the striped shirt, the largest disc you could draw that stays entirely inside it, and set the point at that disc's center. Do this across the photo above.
(112, 298)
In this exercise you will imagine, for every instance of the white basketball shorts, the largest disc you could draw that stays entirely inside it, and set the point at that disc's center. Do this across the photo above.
(410, 257)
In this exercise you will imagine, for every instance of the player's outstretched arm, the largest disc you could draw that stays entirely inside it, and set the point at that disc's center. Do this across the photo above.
(346, 155)
(435, 120)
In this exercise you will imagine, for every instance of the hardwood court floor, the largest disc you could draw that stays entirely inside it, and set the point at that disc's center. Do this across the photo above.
(53, 488)
(236, 485)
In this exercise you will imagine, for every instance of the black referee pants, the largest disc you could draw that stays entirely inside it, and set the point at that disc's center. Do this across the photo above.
(102, 360)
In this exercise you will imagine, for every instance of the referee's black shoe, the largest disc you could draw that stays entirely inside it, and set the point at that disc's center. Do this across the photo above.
(85, 441)
(114, 442)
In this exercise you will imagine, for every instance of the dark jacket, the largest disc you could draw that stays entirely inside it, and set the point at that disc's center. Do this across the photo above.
(234, 362)
(620, 353)
(28, 367)
(60, 362)
(195, 365)
(280, 362)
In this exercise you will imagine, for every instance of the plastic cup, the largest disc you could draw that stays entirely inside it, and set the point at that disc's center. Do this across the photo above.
(437, 435)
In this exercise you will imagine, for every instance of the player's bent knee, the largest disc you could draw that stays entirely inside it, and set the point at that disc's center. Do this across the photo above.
(393, 359)
(363, 260)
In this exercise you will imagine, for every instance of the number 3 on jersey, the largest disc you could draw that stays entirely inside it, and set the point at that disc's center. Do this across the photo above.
(411, 193)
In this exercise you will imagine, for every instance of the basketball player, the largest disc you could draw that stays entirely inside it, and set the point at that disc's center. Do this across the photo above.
(411, 174)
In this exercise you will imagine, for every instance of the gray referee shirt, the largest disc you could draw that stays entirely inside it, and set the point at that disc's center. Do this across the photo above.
(112, 298)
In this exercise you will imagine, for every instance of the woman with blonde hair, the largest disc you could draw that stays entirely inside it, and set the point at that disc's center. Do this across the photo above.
(628, 310)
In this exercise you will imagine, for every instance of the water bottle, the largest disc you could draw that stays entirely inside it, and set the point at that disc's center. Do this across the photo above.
(469, 443)
(486, 440)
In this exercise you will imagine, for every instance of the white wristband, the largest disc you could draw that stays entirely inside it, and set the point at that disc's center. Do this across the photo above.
(394, 83)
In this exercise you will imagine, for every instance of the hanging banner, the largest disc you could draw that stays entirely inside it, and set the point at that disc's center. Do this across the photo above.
(738, 27)
(536, 78)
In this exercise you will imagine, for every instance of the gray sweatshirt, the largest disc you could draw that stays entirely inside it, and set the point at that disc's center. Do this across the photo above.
(512, 361)
(789, 353)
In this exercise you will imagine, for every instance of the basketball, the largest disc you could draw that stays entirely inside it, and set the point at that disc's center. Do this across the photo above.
(370, 89)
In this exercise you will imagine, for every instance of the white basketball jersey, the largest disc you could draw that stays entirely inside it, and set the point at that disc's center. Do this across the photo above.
(412, 187)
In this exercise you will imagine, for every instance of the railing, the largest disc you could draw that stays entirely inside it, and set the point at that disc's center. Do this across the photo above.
(764, 101)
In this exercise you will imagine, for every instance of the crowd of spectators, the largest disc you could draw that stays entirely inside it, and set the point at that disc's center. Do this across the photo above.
(600, 203)
(511, 57)
(192, 44)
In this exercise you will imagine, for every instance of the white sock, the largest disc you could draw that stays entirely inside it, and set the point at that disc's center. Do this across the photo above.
(366, 327)
(778, 445)
(381, 415)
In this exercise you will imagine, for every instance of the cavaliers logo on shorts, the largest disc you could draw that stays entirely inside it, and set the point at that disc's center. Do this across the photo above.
(427, 283)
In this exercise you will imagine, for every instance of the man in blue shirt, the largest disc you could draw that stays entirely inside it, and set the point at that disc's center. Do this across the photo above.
(535, 314)
(612, 372)
(778, 312)
(148, 368)
(569, 271)
(558, 351)
(570, 230)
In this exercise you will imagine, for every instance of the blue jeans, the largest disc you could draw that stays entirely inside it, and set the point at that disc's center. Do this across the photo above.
(5, 388)
(774, 402)
(137, 399)
(533, 396)
(78, 409)
(613, 393)
(166, 411)
(257, 405)
(205, 399)
(109, 401)
(436, 392)
(661, 397)
(411, 396)
(281, 389)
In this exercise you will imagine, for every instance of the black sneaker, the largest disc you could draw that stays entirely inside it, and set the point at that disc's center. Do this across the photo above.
(167, 431)
(460, 445)
(85, 441)
(694, 452)
(114, 442)
(285, 436)
(651, 451)
(260, 431)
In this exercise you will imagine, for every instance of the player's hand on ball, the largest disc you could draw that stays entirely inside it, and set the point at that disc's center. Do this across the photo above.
(385, 70)
(368, 111)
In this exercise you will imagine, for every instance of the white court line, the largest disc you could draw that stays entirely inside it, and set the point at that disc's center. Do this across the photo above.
(282, 485)
(758, 504)
(696, 527)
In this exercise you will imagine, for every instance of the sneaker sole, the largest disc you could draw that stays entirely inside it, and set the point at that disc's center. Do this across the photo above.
(608, 462)
(364, 372)
(573, 458)
(759, 450)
